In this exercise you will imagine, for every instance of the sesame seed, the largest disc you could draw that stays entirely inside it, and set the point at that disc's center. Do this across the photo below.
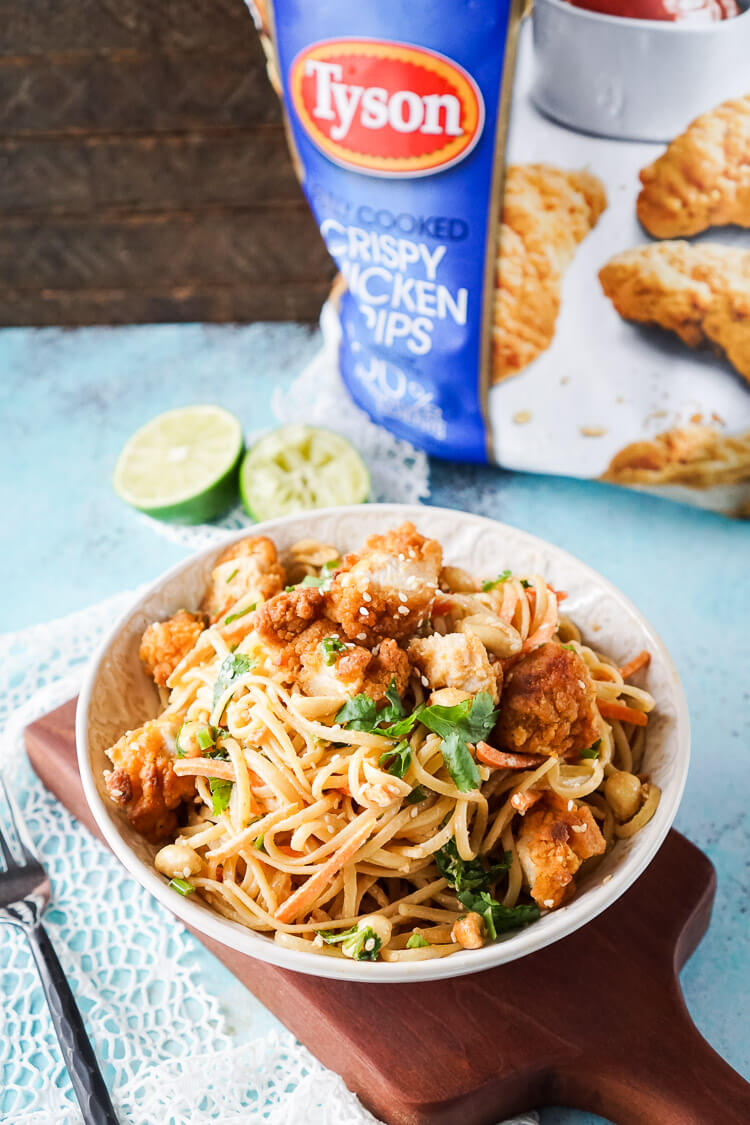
(361, 636)
(402, 557)
(414, 812)
(402, 609)
(366, 597)
(425, 681)
(571, 805)
(403, 598)
(364, 612)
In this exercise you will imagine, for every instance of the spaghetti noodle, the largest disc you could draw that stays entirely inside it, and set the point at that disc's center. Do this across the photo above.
(387, 758)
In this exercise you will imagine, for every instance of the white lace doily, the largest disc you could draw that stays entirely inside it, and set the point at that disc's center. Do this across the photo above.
(167, 1054)
(399, 472)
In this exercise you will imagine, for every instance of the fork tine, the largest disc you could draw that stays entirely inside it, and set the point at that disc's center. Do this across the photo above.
(20, 829)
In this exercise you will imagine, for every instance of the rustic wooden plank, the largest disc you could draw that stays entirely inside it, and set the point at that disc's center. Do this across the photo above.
(134, 91)
(228, 247)
(59, 25)
(238, 303)
(234, 167)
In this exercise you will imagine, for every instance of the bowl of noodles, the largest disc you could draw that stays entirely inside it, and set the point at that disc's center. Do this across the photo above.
(383, 743)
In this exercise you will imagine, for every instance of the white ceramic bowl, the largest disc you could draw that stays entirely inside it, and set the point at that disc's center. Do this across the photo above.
(118, 695)
(634, 79)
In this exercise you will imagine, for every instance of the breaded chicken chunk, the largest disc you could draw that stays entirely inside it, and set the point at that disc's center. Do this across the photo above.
(143, 780)
(165, 643)
(249, 567)
(547, 212)
(703, 178)
(387, 589)
(287, 615)
(331, 665)
(700, 291)
(548, 704)
(456, 660)
(552, 844)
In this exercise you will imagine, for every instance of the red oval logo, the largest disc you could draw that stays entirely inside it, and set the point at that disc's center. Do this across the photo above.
(387, 109)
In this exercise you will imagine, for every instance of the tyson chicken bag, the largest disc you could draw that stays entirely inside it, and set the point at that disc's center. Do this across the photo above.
(515, 288)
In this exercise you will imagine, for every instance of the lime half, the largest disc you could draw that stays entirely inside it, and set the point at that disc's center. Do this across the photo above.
(296, 468)
(182, 465)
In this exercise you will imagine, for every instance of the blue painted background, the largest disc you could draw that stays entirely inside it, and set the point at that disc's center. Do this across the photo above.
(68, 401)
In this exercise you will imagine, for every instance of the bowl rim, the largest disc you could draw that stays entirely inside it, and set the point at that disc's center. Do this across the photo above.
(656, 27)
(213, 925)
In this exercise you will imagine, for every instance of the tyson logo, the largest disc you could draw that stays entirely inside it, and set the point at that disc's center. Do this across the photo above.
(387, 109)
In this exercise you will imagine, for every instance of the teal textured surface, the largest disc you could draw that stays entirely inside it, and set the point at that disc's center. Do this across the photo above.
(69, 400)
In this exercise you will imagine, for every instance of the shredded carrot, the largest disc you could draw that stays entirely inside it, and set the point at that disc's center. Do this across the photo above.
(305, 896)
(640, 661)
(500, 760)
(522, 802)
(204, 767)
(287, 850)
(623, 713)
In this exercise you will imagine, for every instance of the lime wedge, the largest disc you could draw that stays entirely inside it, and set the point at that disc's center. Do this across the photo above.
(182, 465)
(296, 468)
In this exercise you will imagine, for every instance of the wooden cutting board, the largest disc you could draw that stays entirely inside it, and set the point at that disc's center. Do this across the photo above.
(596, 1021)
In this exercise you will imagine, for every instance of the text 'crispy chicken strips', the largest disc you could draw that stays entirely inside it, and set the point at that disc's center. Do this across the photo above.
(703, 178)
(699, 291)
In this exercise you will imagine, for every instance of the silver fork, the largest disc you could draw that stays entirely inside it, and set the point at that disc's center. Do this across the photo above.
(24, 893)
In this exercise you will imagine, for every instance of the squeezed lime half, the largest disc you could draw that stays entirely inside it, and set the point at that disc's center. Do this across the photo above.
(182, 465)
(297, 468)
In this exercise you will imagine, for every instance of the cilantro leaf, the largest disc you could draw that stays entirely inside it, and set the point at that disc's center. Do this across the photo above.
(221, 791)
(232, 667)
(491, 583)
(592, 751)
(468, 874)
(416, 941)
(498, 919)
(359, 713)
(395, 708)
(526, 584)
(329, 646)
(473, 719)
(396, 760)
(417, 794)
(461, 765)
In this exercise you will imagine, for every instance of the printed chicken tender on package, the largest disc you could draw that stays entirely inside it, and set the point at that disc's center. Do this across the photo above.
(520, 282)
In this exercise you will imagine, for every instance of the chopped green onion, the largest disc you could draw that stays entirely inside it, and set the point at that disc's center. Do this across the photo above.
(417, 794)
(416, 941)
(182, 886)
(592, 751)
(221, 791)
(233, 616)
(330, 646)
(234, 574)
(258, 843)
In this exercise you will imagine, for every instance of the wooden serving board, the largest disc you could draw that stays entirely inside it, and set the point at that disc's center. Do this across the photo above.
(596, 1021)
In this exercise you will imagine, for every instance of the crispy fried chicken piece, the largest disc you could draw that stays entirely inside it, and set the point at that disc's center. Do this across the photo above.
(548, 704)
(701, 292)
(165, 643)
(143, 780)
(353, 669)
(248, 567)
(552, 843)
(287, 615)
(547, 212)
(703, 178)
(456, 660)
(388, 588)
(695, 456)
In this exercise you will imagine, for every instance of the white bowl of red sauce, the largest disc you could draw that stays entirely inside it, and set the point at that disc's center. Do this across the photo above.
(638, 69)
